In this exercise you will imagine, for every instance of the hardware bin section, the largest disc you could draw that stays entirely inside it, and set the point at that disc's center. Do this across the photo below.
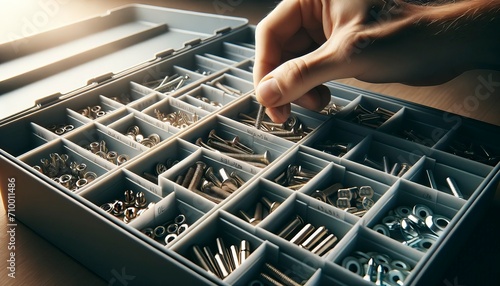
(158, 155)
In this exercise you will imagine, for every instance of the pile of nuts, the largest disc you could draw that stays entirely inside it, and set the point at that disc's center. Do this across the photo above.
(134, 133)
(167, 232)
(71, 175)
(129, 207)
(100, 149)
(178, 119)
(61, 129)
(92, 112)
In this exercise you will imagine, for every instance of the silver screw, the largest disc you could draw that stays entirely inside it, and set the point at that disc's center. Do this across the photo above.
(260, 116)
(282, 276)
(289, 228)
(198, 174)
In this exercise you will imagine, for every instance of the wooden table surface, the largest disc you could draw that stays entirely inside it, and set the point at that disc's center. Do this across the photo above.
(38, 262)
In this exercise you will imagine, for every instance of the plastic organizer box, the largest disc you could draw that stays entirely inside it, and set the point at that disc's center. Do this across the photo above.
(136, 159)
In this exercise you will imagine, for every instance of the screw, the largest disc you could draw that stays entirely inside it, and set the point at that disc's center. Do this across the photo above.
(225, 147)
(282, 276)
(314, 238)
(258, 211)
(404, 168)
(140, 200)
(250, 220)
(259, 158)
(129, 198)
(327, 243)
(198, 174)
(209, 174)
(260, 116)
(200, 143)
(371, 163)
(292, 226)
(188, 177)
(271, 280)
(430, 177)
(302, 234)
(209, 187)
(237, 178)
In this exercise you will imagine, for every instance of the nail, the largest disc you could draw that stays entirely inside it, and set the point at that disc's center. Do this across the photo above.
(454, 187)
(244, 251)
(272, 206)
(260, 116)
(198, 174)
(188, 177)
(430, 177)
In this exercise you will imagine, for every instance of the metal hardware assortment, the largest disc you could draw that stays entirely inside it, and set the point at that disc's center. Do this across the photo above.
(474, 151)
(317, 240)
(203, 72)
(397, 169)
(129, 207)
(338, 149)
(369, 118)
(168, 84)
(331, 109)
(206, 100)
(134, 133)
(167, 232)
(235, 149)
(178, 119)
(202, 180)
(70, 174)
(412, 135)
(159, 169)
(294, 177)
(225, 260)
(227, 89)
(271, 275)
(100, 149)
(260, 212)
(92, 112)
(418, 227)
(122, 98)
(452, 184)
(354, 200)
(293, 129)
(378, 268)
(61, 129)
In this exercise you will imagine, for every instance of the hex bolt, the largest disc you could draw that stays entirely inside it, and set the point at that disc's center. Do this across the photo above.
(281, 276)
(198, 174)
(291, 227)
(272, 206)
(209, 174)
(188, 177)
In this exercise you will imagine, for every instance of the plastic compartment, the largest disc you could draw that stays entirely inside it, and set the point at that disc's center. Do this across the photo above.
(333, 274)
(88, 106)
(75, 154)
(466, 176)
(402, 198)
(310, 212)
(207, 98)
(370, 105)
(226, 129)
(231, 84)
(243, 70)
(169, 80)
(24, 136)
(218, 225)
(231, 53)
(203, 65)
(364, 240)
(268, 195)
(417, 126)
(167, 155)
(176, 108)
(473, 141)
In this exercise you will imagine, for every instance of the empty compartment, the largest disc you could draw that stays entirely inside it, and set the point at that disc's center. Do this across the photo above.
(23, 136)
(457, 177)
(306, 226)
(212, 177)
(335, 137)
(478, 142)
(66, 164)
(207, 98)
(243, 70)
(232, 139)
(105, 143)
(175, 113)
(362, 246)
(347, 190)
(231, 84)
(300, 123)
(123, 196)
(414, 215)
(137, 129)
(370, 112)
(219, 246)
(172, 218)
(257, 201)
(418, 127)
(156, 162)
(297, 169)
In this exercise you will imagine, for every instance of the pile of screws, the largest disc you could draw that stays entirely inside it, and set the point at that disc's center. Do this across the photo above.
(273, 276)
(61, 128)
(93, 112)
(378, 268)
(167, 232)
(129, 208)
(202, 180)
(123, 99)
(418, 227)
(134, 133)
(206, 100)
(317, 240)
(71, 175)
(227, 89)
(474, 151)
(413, 136)
(335, 148)
(159, 169)
(235, 149)
(369, 118)
(293, 129)
(225, 260)
(168, 84)
(331, 109)
(100, 149)
(294, 177)
(178, 119)
(355, 200)
(260, 213)
(397, 169)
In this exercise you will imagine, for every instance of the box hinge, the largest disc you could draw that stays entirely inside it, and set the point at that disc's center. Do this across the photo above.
(44, 101)
(223, 30)
(193, 42)
(165, 53)
(100, 78)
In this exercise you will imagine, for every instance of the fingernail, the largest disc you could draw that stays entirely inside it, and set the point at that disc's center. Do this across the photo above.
(269, 92)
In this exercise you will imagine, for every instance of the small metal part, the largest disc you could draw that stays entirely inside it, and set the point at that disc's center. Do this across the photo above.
(148, 232)
(118, 208)
(140, 200)
(366, 192)
(291, 227)
(107, 207)
(382, 229)
(244, 251)
(430, 178)
(234, 252)
(129, 198)
(180, 219)
(198, 174)
(272, 206)
(402, 211)
(182, 228)
(302, 234)
(222, 265)
(325, 245)
(314, 238)
(391, 222)
(188, 177)
(380, 276)
(408, 229)
(385, 161)
(280, 275)
(352, 264)
(212, 263)
(223, 251)
(271, 280)
(370, 271)
(258, 211)
(367, 161)
(422, 211)
(210, 175)
(404, 167)
(129, 214)
(172, 228)
(437, 223)
(201, 259)
(454, 187)
(250, 220)
(395, 168)
(260, 116)
(159, 232)
(169, 238)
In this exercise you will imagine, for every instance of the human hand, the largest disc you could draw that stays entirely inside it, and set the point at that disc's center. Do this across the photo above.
(302, 44)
